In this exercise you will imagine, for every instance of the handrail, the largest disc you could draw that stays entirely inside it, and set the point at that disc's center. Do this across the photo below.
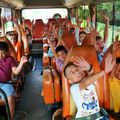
(6, 104)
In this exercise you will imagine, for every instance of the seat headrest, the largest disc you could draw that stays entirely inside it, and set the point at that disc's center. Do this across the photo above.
(88, 52)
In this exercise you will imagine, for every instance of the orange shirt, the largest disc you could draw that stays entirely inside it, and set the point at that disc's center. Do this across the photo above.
(19, 49)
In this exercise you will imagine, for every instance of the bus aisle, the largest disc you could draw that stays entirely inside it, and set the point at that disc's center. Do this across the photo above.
(31, 105)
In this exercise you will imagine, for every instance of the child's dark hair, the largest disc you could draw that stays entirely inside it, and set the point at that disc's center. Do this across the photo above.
(72, 29)
(68, 65)
(4, 46)
(118, 60)
(82, 32)
(61, 48)
(98, 37)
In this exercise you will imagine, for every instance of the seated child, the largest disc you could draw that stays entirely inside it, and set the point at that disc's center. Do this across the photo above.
(83, 89)
(114, 81)
(7, 66)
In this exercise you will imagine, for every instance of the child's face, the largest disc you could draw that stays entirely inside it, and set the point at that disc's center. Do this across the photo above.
(2, 54)
(117, 71)
(74, 74)
(61, 55)
(99, 46)
(82, 36)
(13, 39)
(53, 43)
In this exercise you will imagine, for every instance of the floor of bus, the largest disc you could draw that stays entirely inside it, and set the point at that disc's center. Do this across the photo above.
(31, 105)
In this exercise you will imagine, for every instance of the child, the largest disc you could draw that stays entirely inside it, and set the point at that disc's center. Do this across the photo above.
(16, 39)
(114, 80)
(53, 43)
(101, 43)
(82, 88)
(60, 53)
(7, 66)
(61, 56)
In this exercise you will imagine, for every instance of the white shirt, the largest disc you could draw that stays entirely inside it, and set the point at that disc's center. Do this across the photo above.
(86, 100)
(77, 36)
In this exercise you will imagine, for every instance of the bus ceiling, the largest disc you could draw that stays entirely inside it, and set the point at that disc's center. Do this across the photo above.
(20, 4)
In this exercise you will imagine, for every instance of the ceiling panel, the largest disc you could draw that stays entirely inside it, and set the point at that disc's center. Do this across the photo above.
(43, 3)
(48, 3)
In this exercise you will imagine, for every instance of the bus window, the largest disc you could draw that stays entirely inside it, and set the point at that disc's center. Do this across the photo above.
(112, 11)
(43, 13)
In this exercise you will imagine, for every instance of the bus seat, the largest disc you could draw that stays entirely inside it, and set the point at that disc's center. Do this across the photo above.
(57, 86)
(84, 51)
(69, 40)
(88, 40)
(28, 23)
(48, 87)
(46, 60)
(51, 20)
(38, 28)
(53, 62)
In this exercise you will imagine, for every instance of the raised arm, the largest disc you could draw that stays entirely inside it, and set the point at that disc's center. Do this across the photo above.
(18, 29)
(106, 31)
(109, 64)
(16, 70)
(84, 65)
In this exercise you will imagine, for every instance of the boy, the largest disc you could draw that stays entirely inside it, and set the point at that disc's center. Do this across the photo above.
(82, 88)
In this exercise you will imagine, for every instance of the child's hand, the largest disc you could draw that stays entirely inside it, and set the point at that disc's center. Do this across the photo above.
(24, 59)
(105, 18)
(109, 63)
(94, 32)
(82, 63)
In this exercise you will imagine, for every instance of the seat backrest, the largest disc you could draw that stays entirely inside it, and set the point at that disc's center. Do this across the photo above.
(57, 86)
(46, 60)
(38, 28)
(89, 53)
(69, 40)
(48, 87)
(51, 20)
(28, 23)
(51, 86)
(89, 39)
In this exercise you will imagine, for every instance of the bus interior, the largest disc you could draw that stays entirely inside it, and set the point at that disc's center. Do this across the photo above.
(42, 89)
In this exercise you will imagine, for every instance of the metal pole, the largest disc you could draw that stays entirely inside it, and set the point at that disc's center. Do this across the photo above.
(113, 22)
